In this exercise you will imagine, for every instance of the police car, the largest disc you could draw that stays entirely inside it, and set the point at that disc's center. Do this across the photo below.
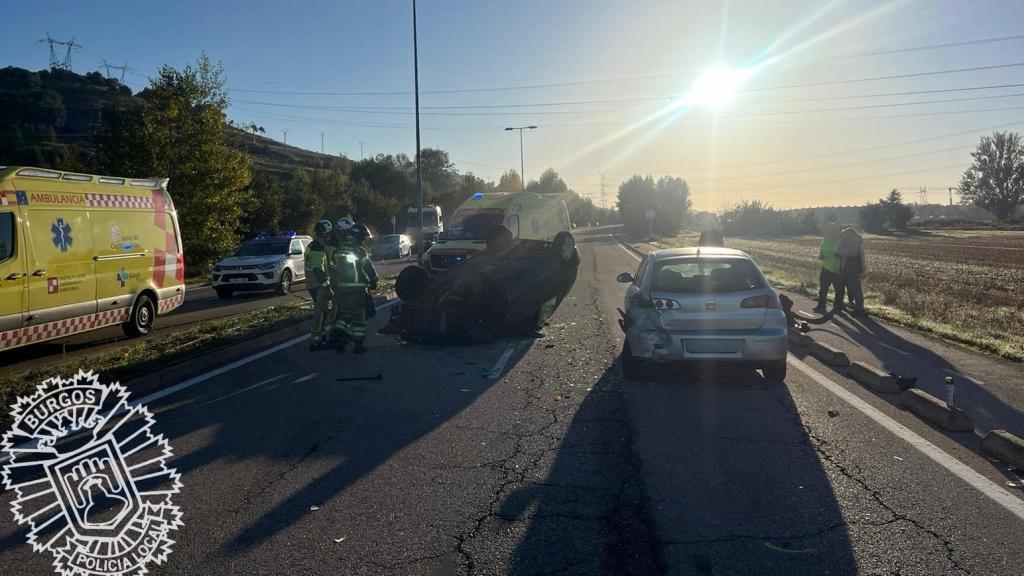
(263, 263)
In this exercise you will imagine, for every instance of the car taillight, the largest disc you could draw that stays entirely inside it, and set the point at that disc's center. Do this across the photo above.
(762, 301)
(665, 304)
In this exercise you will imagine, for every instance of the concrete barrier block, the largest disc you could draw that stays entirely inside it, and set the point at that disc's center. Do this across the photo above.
(935, 411)
(874, 378)
(829, 354)
(1005, 446)
(798, 338)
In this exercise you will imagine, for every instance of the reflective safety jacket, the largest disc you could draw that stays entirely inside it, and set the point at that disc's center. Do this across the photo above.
(316, 259)
(351, 268)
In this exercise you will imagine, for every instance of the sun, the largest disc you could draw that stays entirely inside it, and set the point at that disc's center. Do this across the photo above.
(716, 87)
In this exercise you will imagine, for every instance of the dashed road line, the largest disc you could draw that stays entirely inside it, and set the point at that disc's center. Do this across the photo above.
(499, 366)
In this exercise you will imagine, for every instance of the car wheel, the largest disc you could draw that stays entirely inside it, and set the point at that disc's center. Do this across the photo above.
(775, 372)
(140, 322)
(412, 283)
(632, 369)
(284, 285)
(224, 293)
(565, 247)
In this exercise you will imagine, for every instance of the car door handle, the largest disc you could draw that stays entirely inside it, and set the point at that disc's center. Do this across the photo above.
(39, 272)
(114, 303)
(14, 276)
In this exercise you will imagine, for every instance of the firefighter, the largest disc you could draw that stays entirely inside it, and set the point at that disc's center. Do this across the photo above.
(316, 259)
(351, 274)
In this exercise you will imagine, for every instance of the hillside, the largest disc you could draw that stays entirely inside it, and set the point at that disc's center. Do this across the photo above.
(47, 119)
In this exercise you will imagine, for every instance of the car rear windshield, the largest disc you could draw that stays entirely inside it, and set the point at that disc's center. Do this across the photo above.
(706, 275)
(264, 248)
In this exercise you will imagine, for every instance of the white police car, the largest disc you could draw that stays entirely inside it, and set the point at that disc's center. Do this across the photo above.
(263, 263)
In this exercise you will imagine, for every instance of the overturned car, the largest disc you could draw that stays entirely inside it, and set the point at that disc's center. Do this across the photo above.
(511, 287)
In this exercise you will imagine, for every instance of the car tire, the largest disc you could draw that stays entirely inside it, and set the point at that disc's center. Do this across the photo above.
(284, 285)
(775, 372)
(412, 283)
(224, 293)
(632, 369)
(140, 321)
(565, 247)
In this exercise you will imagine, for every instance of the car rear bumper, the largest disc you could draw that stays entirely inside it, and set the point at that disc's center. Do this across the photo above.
(765, 344)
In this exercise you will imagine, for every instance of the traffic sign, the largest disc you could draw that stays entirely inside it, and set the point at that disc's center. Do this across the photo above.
(650, 214)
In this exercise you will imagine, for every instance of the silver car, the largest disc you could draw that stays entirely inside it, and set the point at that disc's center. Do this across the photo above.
(700, 305)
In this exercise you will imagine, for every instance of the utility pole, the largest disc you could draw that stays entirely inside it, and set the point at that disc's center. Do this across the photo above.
(321, 141)
(361, 150)
(950, 195)
(108, 66)
(419, 172)
(522, 163)
(924, 195)
(57, 62)
(285, 131)
(603, 196)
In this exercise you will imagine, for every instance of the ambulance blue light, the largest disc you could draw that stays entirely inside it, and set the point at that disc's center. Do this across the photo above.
(291, 233)
(478, 196)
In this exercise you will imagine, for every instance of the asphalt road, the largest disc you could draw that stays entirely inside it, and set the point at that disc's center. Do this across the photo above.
(531, 456)
(201, 304)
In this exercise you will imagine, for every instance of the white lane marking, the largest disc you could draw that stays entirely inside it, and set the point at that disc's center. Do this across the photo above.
(995, 492)
(215, 372)
(499, 366)
(628, 251)
(894, 349)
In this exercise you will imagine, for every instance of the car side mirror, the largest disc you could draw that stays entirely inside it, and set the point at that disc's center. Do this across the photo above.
(624, 277)
(296, 252)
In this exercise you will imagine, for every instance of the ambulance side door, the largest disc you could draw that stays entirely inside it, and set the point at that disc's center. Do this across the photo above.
(122, 262)
(62, 276)
(12, 271)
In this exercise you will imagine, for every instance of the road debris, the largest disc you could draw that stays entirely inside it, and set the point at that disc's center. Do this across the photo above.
(833, 413)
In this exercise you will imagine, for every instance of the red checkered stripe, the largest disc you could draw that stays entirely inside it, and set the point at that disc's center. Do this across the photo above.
(117, 201)
(168, 304)
(60, 328)
(167, 263)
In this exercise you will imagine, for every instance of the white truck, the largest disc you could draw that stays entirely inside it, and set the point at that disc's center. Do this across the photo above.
(433, 224)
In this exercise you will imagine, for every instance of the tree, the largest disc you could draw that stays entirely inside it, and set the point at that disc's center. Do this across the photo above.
(673, 205)
(995, 179)
(872, 217)
(809, 222)
(895, 213)
(636, 196)
(510, 182)
(668, 197)
(182, 135)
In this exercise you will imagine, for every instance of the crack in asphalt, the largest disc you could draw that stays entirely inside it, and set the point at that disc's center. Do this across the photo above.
(820, 445)
(625, 511)
(246, 499)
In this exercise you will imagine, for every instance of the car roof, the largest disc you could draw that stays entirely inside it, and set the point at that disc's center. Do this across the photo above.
(699, 252)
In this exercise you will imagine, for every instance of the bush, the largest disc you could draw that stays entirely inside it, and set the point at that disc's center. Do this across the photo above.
(755, 218)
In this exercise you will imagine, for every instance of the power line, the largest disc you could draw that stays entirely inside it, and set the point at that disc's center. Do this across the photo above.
(610, 80)
(56, 61)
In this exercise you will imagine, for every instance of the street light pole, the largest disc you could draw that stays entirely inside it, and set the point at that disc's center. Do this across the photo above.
(419, 173)
(522, 163)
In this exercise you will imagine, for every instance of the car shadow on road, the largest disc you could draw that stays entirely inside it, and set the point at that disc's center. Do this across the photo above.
(700, 472)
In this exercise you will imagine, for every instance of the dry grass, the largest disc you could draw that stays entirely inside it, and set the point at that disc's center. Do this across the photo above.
(966, 287)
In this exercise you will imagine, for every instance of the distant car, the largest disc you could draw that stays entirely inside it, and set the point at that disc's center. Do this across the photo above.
(391, 246)
(700, 305)
(511, 286)
(263, 263)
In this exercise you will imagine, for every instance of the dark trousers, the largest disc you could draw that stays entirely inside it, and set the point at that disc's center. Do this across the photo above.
(826, 279)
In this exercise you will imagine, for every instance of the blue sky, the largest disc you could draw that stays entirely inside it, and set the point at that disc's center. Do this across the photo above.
(825, 141)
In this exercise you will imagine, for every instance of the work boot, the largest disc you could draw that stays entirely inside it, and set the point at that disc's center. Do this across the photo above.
(820, 308)
(358, 347)
(339, 345)
(315, 345)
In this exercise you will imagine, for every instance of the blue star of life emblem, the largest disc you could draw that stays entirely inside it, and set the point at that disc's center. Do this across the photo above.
(61, 231)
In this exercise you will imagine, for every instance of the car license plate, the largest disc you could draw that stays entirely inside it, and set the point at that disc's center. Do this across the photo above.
(238, 280)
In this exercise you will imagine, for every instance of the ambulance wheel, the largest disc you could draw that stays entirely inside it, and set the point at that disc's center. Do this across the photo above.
(284, 285)
(565, 247)
(141, 320)
(224, 293)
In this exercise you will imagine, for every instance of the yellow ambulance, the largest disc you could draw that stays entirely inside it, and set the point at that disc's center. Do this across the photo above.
(80, 252)
(526, 214)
